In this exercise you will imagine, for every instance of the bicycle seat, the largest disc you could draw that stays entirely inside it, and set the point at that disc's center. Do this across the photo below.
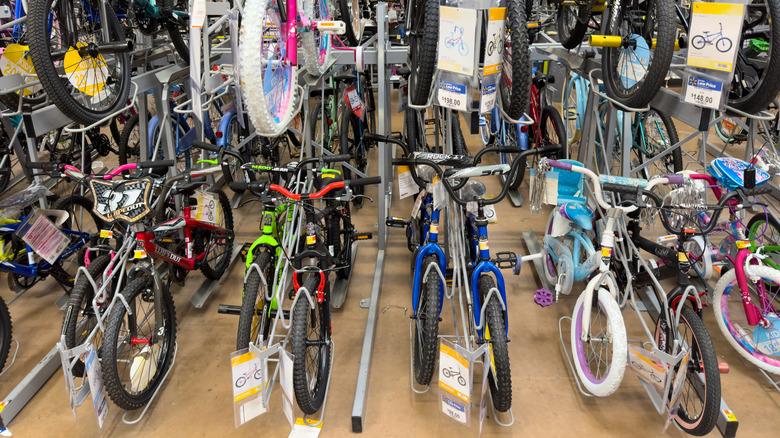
(327, 176)
(317, 92)
(731, 172)
(404, 72)
(569, 185)
(25, 198)
(473, 190)
(344, 78)
(579, 213)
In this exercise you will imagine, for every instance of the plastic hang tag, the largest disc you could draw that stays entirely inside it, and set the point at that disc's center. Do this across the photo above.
(454, 384)
(496, 41)
(248, 378)
(406, 185)
(354, 101)
(96, 388)
(208, 208)
(487, 100)
(43, 236)
(453, 91)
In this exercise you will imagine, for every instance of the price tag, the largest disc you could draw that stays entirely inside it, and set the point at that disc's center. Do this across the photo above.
(416, 213)
(454, 383)
(406, 185)
(488, 100)
(198, 15)
(353, 100)
(452, 96)
(496, 41)
(208, 208)
(703, 92)
(648, 370)
(44, 237)
(457, 37)
(248, 379)
(99, 397)
(715, 35)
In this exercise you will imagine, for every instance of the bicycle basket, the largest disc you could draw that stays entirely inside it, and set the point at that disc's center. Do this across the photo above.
(122, 201)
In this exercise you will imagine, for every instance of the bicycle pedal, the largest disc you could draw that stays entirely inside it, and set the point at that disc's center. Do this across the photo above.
(295, 155)
(723, 367)
(291, 294)
(364, 236)
(396, 222)
(543, 297)
(505, 260)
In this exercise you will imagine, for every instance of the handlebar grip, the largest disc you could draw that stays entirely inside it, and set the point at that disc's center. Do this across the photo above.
(363, 181)
(336, 158)
(675, 179)
(206, 146)
(155, 164)
(199, 179)
(237, 186)
(377, 138)
(760, 190)
(559, 165)
(48, 166)
(620, 188)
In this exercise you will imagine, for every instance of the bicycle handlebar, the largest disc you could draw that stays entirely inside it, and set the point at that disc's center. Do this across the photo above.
(259, 188)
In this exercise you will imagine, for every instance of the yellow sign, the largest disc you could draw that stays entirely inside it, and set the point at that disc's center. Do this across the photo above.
(14, 60)
(88, 74)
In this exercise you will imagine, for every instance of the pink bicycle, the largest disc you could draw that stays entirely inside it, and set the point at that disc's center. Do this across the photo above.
(269, 56)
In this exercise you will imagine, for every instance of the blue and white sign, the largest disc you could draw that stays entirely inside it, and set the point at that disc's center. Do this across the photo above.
(703, 92)
(451, 95)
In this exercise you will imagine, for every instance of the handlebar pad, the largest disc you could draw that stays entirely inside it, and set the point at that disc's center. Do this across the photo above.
(559, 165)
(206, 146)
(760, 190)
(620, 188)
(363, 181)
(49, 166)
(675, 179)
(155, 164)
(336, 158)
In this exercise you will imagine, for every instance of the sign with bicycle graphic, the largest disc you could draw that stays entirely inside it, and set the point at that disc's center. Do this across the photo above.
(208, 208)
(457, 37)
(714, 35)
(494, 48)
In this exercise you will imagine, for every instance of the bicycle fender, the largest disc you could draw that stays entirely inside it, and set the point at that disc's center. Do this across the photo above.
(487, 267)
(224, 124)
(429, 249)
(151, 129)
(264, 240)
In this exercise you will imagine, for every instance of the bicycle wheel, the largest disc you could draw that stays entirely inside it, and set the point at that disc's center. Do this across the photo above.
(763, 229)
(254, 320)
(755, 82)
(515, 88)
(600, 360)
(752, 342)
(633, 73)
(340, 226)
(130, 142)
(500, 375)
(654, 134)
(571, 115)
(316, 46)
(728, 130)
(6, 334)
(80, 318)
(700, 399)
(426, 326)
(310, 339)
(573, 23)
(138, 346)
(269, 82)
(5, 168)
(177, 22)
(14, 43)
(350, 15)
(86, 76)
(220, 248)
(423, 29)
(81, 219)
(350, 142)
(553, 133)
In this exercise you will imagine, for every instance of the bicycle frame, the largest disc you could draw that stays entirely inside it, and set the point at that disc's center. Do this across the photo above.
(482, 264)
(33, 269)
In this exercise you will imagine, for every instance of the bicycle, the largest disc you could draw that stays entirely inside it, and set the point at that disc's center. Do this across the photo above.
(255, 373)
(312, 261)
(454, 40)
(722, 44)
(452, 372)
(271, 91)
(26, 266)
(488, 318)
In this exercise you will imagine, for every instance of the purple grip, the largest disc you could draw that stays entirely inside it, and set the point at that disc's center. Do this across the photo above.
(675, 179)
(559, 165)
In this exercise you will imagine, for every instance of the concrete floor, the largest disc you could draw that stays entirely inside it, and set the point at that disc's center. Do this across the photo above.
(196, 399)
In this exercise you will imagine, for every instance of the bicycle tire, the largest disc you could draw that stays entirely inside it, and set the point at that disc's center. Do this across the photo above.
(573, 23)
(573, 118)
(78, 208)
(553, 132)
(129, 141)
(659, 22)
(350, 15)
(340, 226)
(515, 89)
(726, 313)
(598, 384)
(702, 358)
(5, 168)
(765, 87)
(763, 229)
(316, 131)
(310, 401)
(423, 44)
(80, 319)
(350, 140)
(269, 111)
(316, 45)
(6, 333)
(660, 134)
(500, 375)
(78, 104)
(177, 25)
(426, 325)
(213, 268)
(127, 388)
(252, 324)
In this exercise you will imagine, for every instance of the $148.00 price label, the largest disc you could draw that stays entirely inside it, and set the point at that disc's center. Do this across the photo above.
(452, 96)
(703, 92)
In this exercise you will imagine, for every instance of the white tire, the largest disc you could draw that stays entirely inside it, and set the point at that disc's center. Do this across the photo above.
(607, 381)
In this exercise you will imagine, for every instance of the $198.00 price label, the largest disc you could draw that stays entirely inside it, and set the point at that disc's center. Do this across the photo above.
(703, 92)
(452, 96)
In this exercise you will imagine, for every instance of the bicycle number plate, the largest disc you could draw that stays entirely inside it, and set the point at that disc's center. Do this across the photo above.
(126, 201)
